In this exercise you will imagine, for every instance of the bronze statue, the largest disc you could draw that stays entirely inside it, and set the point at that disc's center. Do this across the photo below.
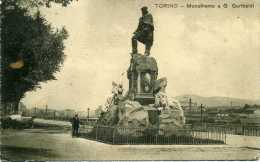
(144, 32)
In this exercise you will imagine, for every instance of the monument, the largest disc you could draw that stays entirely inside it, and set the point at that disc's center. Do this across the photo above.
(146, 104)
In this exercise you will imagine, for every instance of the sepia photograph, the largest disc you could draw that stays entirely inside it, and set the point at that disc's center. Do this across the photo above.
(130, 80)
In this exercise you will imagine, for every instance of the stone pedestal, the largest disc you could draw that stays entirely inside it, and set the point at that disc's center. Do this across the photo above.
(141, 75)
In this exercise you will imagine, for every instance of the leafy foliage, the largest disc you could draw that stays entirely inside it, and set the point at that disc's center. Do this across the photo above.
(37, 3)
(31, 52)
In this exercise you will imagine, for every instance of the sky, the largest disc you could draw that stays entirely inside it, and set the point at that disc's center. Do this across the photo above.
(208, 52)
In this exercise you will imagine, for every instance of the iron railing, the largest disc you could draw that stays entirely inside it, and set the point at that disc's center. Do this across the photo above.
(236, 130)
(121, 135)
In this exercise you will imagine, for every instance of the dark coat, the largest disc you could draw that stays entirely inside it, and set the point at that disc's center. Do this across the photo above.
(75, 122)
(144, 31)
(145, 21)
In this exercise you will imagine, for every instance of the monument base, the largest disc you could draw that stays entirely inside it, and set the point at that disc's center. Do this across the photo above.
(144, 98)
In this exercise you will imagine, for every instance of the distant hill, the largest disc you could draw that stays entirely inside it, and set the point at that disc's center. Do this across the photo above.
(217, 100)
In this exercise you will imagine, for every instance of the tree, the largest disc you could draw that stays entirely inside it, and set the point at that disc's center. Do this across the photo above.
(31, 50)
(98, 111)
(29, 4)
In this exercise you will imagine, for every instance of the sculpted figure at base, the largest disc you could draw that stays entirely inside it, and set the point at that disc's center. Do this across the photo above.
(161, 99)
(144, 32)
(116, 95)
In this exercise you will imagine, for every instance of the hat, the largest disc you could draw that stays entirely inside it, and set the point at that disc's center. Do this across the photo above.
(145, 8)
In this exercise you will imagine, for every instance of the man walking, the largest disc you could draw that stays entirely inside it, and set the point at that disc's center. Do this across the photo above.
(144, 32)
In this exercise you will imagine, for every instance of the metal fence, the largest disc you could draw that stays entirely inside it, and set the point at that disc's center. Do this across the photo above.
(120, 135)
(236, 130)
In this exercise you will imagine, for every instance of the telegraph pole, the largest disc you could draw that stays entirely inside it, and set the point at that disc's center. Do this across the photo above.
(190, 104)
(88, 113)
(35, 111)
(46, 110)
(54, 114)
(201, 106)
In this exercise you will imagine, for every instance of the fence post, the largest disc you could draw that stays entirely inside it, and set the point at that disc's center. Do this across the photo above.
(207, 137)
(156, 139)
(97, 132)
(225, 137)
(127, 134)
(114, 130)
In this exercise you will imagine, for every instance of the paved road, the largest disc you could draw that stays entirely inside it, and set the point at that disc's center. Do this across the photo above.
(39, 144)
(51, 123)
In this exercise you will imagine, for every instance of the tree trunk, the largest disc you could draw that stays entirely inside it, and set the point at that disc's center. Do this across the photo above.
(16, 107)
(4, 109)
(11, 107)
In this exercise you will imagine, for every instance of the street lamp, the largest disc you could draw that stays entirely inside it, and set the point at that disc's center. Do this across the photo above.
(202, 108)
(88, 113)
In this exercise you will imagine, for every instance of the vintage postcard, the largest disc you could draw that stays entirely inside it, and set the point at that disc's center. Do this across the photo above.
(130, 80)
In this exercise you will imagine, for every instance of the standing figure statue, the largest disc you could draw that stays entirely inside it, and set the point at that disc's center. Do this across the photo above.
(144, 32)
